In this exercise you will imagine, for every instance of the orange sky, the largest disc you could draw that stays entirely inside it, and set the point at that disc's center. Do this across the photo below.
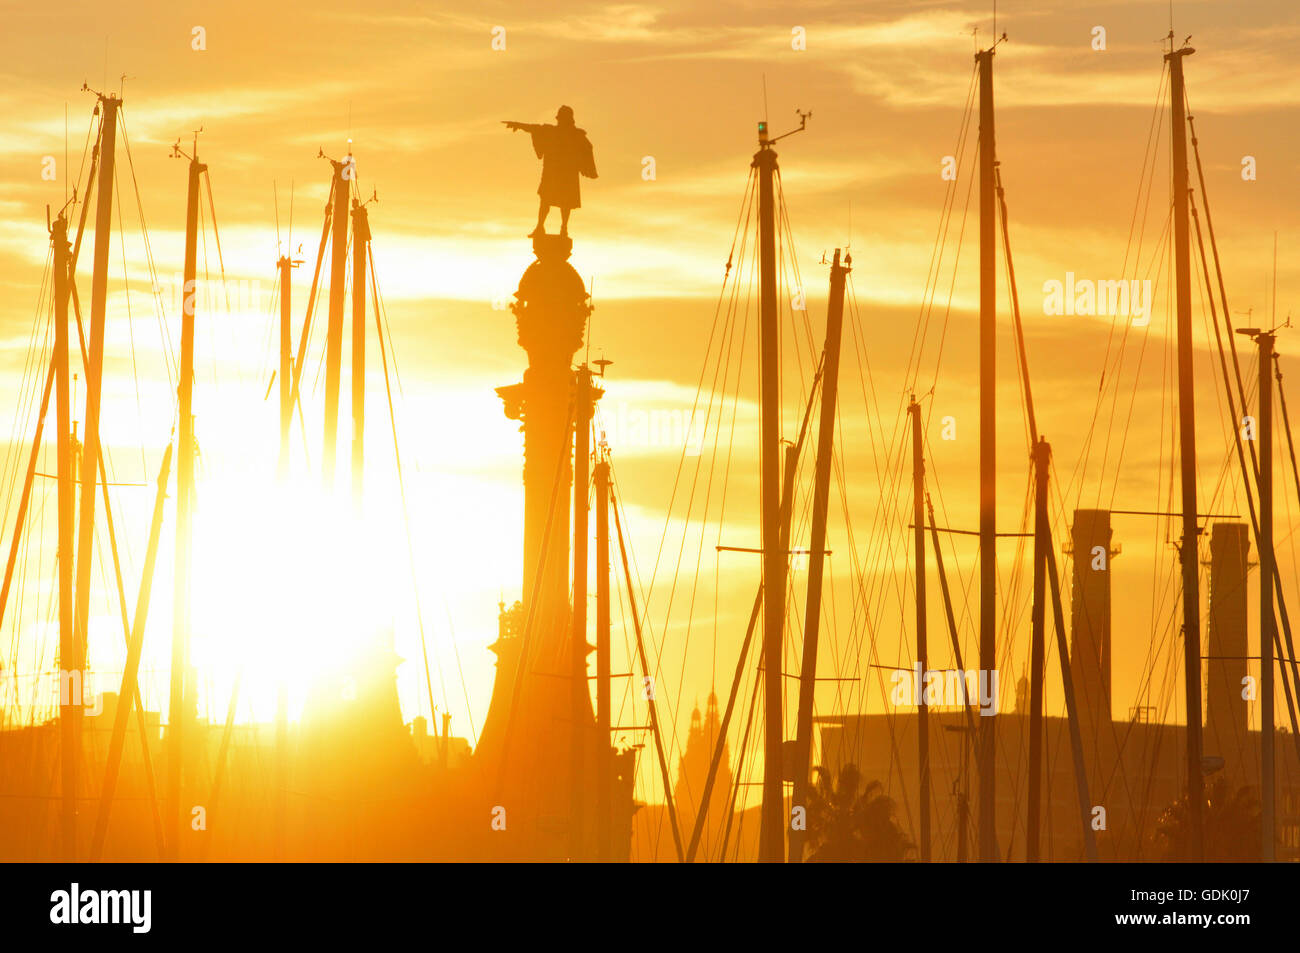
(421, 94)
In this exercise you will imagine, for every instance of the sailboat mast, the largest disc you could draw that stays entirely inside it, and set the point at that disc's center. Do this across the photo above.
(581, 695)
(360, 256)
(771, 835)
(89, 471)
(1187, 454)
(988, 463)
(67, 515)
(1037, 648)
(604, 754)
(1267, 568)
(922, 649)
(282, 472)
(817, 546)
(178, 709)
(963, 798)
(285, 264)
(334, 330)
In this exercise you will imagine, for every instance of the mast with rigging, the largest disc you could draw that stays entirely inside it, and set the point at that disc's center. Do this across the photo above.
(179, 711)
(922, 648)
(817, 547)
(76, 664)
(771, 841)
(360, 253)
(1187, 455)
(771, 831)
(344, 173)
(1267, 569)
(67, 516)
(987, 455)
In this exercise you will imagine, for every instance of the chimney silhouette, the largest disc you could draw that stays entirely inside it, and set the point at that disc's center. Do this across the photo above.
(1225, 710)
(1090, 619)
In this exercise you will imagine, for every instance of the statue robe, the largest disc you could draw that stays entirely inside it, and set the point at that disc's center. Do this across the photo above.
(565, 152)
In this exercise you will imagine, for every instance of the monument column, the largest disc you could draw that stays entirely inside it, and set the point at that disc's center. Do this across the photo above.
(525, 749)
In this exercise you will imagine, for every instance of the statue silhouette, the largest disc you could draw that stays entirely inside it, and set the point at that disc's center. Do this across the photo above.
(565, 152)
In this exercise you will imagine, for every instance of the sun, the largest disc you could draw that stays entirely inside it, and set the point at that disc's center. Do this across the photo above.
(290, 590)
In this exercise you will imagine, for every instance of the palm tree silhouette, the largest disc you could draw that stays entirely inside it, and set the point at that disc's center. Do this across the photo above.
(1231, 826)
(848, 822)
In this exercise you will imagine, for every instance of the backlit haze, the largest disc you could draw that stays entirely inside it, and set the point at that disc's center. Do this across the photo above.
(420, 94)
